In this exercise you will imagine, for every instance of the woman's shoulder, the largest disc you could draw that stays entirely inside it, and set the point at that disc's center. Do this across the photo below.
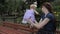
(50, 14)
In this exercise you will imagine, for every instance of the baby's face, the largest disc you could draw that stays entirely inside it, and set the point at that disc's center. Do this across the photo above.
(33, 7)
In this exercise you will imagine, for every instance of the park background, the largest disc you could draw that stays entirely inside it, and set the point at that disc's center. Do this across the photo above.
(13, 10)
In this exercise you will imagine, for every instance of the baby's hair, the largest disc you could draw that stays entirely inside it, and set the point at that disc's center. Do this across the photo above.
(33, 5)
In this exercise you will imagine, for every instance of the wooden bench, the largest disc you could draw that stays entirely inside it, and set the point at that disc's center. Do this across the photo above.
(23, 27)
(6, 30)
(1, 32)
(19, 26)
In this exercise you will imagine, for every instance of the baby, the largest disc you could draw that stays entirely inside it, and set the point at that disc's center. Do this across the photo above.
(30, 14)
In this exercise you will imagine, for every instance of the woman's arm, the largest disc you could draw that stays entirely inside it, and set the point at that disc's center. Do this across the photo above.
(40, 24)
(39, 21)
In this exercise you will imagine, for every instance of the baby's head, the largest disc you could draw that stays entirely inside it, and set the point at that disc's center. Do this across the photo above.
(33, 6)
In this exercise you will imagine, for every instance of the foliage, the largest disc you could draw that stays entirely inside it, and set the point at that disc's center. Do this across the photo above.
(11, 7)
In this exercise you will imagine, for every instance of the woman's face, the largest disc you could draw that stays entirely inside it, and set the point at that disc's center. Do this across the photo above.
(44, 9)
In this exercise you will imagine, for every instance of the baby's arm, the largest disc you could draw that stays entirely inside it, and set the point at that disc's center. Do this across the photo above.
(36, 12)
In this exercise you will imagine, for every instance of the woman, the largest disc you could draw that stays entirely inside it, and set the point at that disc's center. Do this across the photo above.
(47, 23)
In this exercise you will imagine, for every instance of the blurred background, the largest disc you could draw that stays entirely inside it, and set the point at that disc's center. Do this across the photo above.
(13, 10)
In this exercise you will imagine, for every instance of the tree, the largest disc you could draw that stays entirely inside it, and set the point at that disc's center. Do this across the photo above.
(39, 2)
(2, 2)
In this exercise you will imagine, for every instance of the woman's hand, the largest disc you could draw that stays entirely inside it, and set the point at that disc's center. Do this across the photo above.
(30, 22)
(31, 26)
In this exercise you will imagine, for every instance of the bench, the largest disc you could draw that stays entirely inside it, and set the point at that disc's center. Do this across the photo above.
(23, 27)
(6, 30)
(19, 26)
(1, 32)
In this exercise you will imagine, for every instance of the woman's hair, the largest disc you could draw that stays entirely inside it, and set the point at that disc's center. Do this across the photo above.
(48, 6)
